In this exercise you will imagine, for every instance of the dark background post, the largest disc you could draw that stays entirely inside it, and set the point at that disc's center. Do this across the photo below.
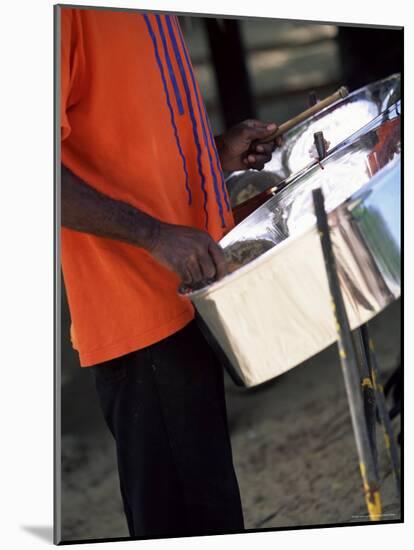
(369, 54)
(228, 57)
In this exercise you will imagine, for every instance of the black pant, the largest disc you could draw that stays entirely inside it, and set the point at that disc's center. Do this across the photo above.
(165, 406)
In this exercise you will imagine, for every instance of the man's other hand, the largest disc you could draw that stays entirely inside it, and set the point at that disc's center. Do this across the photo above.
(239, 148)
(192, 254)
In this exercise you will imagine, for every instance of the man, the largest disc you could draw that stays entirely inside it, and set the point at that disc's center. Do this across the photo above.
(143, 204)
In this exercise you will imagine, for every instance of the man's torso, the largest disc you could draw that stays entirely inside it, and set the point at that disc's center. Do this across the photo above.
(133, 127)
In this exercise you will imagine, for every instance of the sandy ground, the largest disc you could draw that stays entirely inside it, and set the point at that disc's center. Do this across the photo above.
(293, 449)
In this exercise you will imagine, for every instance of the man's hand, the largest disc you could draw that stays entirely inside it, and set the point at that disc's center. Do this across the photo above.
(192, 254)
(239, 148)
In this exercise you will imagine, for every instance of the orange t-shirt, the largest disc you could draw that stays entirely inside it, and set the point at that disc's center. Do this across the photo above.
(133, 126)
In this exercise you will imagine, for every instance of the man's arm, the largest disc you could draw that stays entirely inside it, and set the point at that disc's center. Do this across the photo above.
(192, 254)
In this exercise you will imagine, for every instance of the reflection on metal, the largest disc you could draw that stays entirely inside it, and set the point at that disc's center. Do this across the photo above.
(338, 122)
(274, 312)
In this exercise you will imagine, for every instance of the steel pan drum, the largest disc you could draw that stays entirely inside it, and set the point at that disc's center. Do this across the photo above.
(275, 312)
(338, 122)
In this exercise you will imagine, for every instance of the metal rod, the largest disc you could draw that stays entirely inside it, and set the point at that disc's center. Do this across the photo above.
(389, 436)
(349, 366)
(320, 145)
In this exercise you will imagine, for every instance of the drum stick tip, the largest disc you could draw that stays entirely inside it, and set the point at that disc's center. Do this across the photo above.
(343, 91)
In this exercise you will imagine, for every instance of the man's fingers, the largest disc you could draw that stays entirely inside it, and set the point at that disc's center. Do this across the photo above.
(207, 266)
(259, 132)
(193, 267)
(219, 260)
(266, 148)
(186, 277)
(257, 161)
(253, 123)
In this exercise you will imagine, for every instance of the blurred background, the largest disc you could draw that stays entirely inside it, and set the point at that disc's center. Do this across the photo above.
(266, 68)
(292, 438)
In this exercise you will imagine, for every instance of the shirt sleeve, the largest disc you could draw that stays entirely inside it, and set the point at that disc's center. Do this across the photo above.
(66, 76)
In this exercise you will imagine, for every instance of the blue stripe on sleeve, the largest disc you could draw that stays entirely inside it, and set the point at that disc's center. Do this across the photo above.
(192, 116)
(170, 67)
(210, 133)
(177, 139)
(218, 163)
(213, 171)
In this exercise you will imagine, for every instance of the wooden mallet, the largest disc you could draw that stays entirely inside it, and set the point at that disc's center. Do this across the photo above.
(283, 128)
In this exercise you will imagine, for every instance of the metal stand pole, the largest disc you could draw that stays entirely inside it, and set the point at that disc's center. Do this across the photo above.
(349, 366)
(368, 395)
(389, 437)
